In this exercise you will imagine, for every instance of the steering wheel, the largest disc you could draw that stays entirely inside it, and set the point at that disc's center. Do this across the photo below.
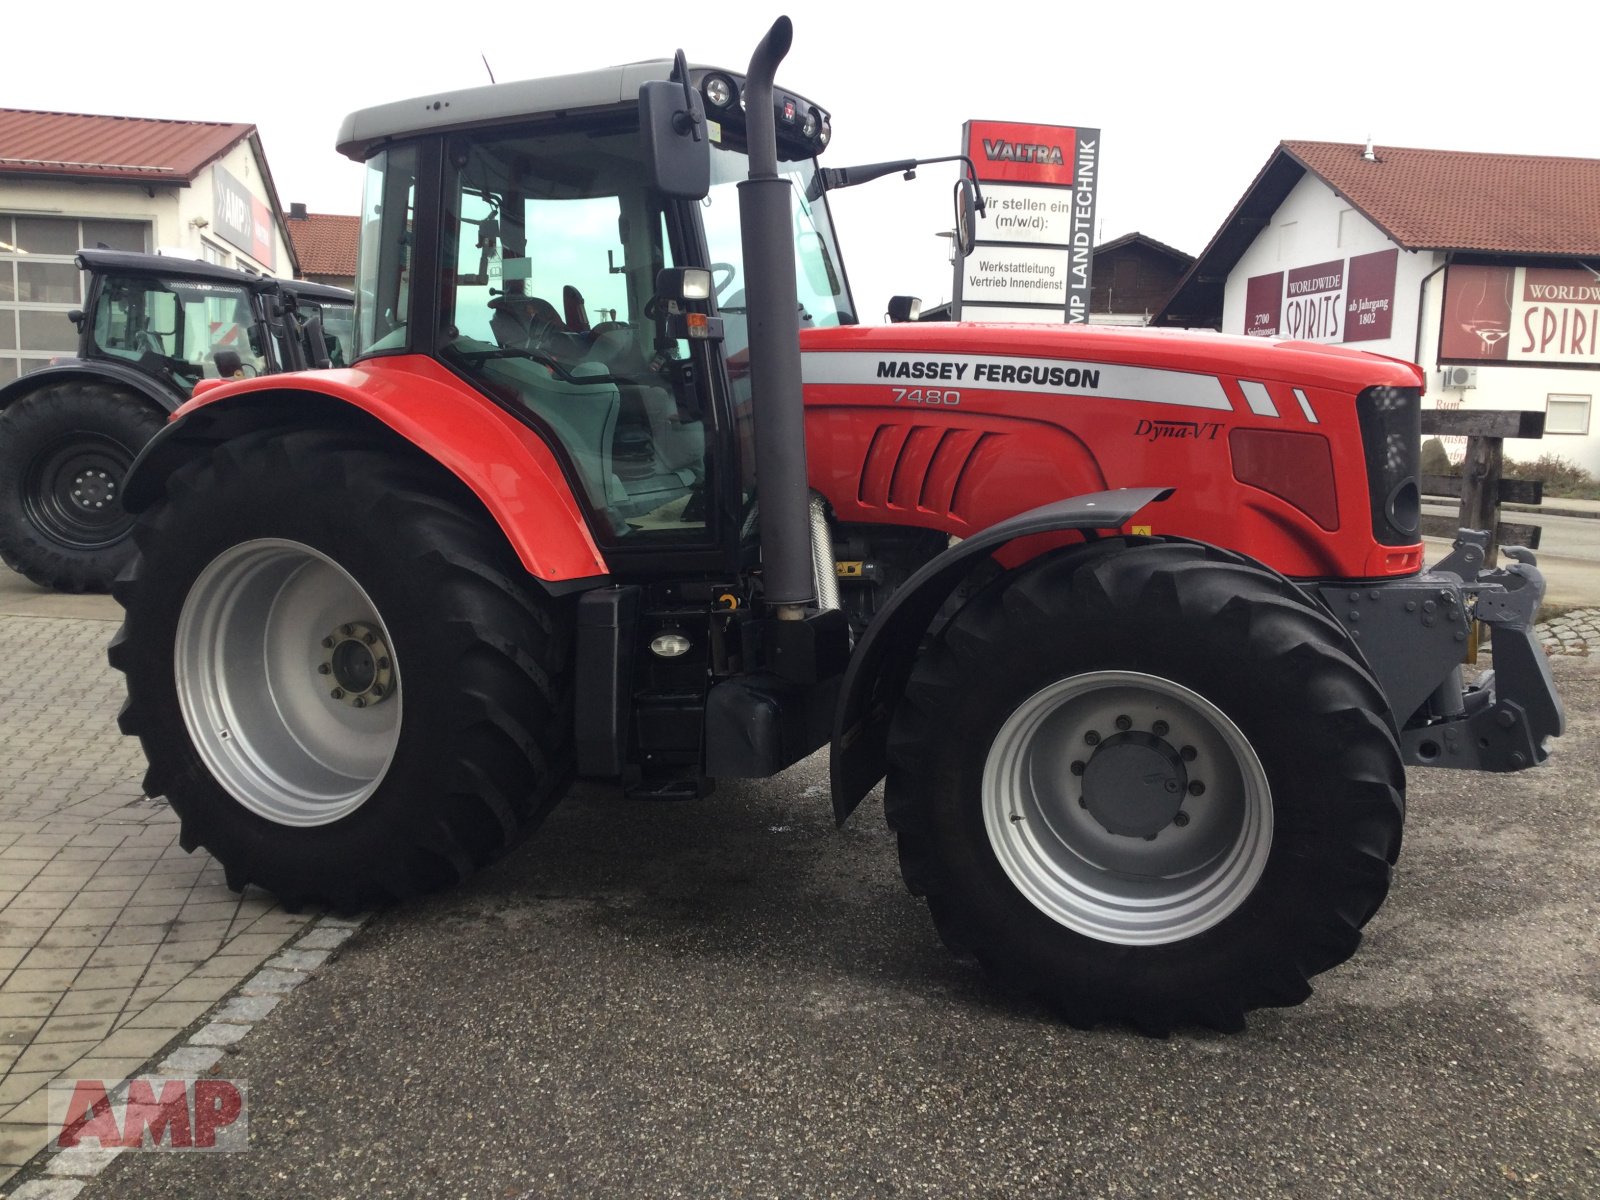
(721, 276)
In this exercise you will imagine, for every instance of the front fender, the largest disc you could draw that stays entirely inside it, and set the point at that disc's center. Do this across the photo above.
(80, 370)
(882, 662)
(413, 400)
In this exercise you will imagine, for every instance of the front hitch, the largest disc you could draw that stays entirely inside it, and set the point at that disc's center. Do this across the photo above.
(1414, 633)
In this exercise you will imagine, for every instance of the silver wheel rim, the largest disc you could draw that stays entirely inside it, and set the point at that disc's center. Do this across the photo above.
(1120, 887)
(288, 682)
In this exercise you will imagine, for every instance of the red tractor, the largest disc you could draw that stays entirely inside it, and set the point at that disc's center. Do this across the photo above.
(1134, 623)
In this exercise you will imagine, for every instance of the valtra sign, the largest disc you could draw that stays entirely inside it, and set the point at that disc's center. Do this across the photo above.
(1521, 315)
(1035, 247)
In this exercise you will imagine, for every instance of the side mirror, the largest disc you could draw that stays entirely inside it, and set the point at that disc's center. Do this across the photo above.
(316, 343)
(76, 317)
(673, 123)
(904, 308)
(228, 363)
(966, 233)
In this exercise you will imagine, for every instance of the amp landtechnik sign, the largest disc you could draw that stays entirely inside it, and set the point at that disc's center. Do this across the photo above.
(1034, 256)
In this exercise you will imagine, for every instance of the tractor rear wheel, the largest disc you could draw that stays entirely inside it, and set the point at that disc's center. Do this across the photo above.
(64, 453)
(337, 683)
(1148, 782)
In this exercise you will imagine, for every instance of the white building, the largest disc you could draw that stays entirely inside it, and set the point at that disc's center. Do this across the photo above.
(199, 189)
(1483, 268)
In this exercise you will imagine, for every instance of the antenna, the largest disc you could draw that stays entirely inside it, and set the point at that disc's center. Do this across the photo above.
(487, 67)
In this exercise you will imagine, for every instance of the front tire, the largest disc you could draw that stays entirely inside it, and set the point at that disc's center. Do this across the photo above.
(337, 683)
(1147, 782)
(64, 454)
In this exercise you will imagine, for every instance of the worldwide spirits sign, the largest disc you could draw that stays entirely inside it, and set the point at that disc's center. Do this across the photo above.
(1507, 314)
(1343, 300)
(1034, 253)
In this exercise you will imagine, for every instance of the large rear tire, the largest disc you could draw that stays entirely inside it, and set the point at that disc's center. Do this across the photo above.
(64, 454)
(338, 683)
(1147, 782)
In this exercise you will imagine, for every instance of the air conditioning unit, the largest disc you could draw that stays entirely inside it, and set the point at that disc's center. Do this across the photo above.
(1458, 377)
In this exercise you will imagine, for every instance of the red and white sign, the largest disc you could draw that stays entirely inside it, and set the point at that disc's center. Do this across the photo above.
(1337, 301)
(153, 1112)
(1521, 314)
(1036, 241)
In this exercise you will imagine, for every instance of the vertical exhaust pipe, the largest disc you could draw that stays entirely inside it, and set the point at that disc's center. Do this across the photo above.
(782, 491)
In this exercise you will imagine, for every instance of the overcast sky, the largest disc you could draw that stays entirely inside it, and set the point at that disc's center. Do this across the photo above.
(1191, 97)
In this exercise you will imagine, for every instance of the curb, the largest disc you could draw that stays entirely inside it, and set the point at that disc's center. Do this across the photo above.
(1546, 510)
(68, 1172)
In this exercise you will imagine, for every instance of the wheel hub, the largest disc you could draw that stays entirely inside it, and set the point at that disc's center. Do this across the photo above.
(1134, 784)
(93, 490)
(357, 665)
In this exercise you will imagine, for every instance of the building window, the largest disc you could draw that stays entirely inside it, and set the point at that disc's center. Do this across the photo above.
(1565, 412)
(40, 283)
(213, 254)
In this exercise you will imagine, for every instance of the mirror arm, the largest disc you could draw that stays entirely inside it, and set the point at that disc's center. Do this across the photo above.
(828, 179)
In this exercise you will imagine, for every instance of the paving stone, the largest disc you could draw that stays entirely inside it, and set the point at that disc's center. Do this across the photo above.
(19, 1085)
(218, 1033)
(81, 1161)
(209, 990)
(19, 1031)
(299, 960)
(77, 1027)
(192, 1060)
(324, 938)
(51, 1057)
(247, 1009)
(100, 1000)
(272, 982)
(168, 1014)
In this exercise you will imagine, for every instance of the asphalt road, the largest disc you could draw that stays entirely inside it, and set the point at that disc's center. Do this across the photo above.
(732, 998)
(1563, 537)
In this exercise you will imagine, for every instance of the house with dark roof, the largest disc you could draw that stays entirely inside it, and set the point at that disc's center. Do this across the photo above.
(199, 189)
(325, 244)
(1483, 268)
(1133, 276)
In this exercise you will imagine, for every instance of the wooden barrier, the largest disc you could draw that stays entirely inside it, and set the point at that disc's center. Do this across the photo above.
(1479, 485)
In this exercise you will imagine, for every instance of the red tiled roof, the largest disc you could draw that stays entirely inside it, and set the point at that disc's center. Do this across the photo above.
(1454, 200)
(325, 243)
(127, 148)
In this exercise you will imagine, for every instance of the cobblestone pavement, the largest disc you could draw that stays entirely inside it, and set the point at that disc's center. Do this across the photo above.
(112, 939)
(1576, 632)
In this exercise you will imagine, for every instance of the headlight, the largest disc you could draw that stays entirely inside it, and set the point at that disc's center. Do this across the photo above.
(808, 126)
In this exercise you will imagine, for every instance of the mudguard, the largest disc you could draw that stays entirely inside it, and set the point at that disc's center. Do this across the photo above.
(92, 371)
(504, 462)
(882, 662)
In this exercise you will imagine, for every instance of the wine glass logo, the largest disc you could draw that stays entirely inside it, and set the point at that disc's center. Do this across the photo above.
(1485, 310)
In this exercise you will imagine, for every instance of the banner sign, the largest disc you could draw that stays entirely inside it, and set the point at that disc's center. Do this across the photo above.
(242, 220)
(1343, 300)
(1521, 315)
(1034, 255)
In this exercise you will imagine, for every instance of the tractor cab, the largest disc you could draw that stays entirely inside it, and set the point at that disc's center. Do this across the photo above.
(546, 257)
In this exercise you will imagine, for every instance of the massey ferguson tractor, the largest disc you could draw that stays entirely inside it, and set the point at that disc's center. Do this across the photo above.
(1134, 624)
(151, 328)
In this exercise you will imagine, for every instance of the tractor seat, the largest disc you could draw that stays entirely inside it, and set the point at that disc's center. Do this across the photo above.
(519, 320)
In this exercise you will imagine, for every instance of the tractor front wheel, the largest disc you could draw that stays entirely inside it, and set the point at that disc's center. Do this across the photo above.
(338, 684)
(64, 453)
(1147, 782)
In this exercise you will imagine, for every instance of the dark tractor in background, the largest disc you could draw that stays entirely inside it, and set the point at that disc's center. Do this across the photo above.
(152, 328)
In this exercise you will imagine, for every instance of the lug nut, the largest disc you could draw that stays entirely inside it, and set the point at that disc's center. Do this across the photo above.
(1171, 785)
(376, 690)
(1160, 729)
(324, 669)
(1124, 723)
(1196, 788)
(1092, 738)
(347, 630)
(369, 638)
(360, 702)
(1189, 753)
(1181, 820)
(1083, 802)
(383, 664)
(1078, 767)
(327, 643)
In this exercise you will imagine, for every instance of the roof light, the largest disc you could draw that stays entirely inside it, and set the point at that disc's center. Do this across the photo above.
(825, 133)
(718, 90)
(809, 125)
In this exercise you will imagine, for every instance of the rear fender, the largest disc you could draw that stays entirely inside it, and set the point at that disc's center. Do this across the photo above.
(78, 370)
(422, 409)
(882, 662)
